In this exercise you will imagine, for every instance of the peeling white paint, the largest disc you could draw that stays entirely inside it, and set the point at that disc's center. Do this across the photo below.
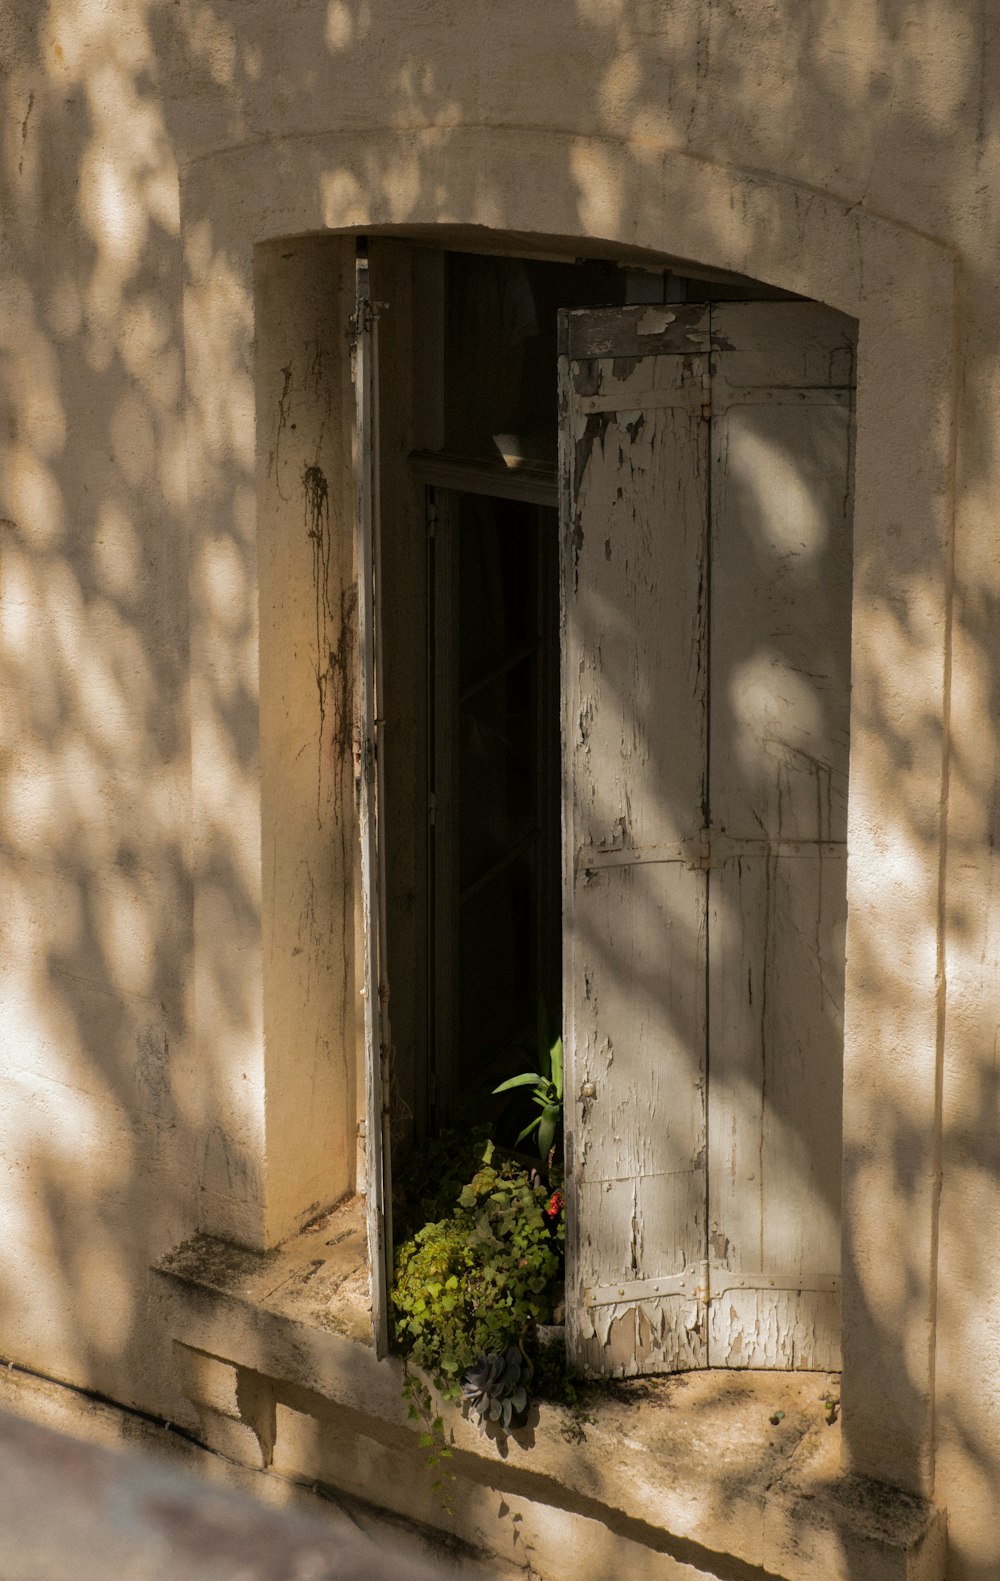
(704, 986)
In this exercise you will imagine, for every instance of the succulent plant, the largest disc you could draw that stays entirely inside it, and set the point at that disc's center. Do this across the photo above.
(493, 1390)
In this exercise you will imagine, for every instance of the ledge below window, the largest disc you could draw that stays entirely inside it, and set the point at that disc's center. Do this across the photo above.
(664, 1477)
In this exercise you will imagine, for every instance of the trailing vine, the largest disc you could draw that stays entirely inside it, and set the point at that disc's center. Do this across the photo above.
(420, 1408)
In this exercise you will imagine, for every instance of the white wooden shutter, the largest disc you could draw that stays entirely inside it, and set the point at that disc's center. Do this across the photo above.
(633, 464)
(779, 704)
(372, 809)
(706, 588)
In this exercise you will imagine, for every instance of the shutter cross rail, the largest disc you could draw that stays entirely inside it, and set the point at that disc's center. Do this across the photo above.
(702, 851)
(707, 1282)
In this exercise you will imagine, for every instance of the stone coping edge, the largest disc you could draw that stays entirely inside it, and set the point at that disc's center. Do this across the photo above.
(687, 1467)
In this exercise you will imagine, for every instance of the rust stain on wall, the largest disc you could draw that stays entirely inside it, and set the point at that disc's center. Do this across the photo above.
(274, 458)
(336, 645)
(316, 505)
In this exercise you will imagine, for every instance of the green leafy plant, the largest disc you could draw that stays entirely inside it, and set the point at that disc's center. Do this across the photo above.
(469, 1292)
(547, 1085)
(474, 1283)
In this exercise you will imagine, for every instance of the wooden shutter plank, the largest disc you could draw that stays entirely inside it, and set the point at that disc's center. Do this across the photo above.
(775, 1082)
(371, 806)
(634, 753)
(638, 1155)
(779, 706)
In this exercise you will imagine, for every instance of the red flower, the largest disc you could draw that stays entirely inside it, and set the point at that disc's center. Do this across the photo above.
(555, 1204)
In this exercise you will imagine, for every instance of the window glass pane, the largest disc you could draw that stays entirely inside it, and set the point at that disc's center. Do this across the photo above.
(498, 581)
(497, 770)
(498, 963)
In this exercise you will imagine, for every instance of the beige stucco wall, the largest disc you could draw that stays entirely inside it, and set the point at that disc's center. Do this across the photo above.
(848, 151)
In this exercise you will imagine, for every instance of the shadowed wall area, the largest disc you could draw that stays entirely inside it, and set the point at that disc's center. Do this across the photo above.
(181, 187)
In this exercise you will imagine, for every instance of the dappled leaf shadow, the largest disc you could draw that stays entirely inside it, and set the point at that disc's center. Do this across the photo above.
(108, 1124)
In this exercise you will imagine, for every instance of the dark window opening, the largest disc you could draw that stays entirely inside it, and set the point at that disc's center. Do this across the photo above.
(495, 848)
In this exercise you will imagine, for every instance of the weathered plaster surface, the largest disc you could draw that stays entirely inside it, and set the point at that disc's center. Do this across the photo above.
(847, 151)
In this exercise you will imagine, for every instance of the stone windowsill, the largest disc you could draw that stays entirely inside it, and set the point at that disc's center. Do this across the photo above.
(689, 1466)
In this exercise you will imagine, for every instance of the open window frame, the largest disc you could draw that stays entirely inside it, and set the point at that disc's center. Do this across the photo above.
(701, 1279)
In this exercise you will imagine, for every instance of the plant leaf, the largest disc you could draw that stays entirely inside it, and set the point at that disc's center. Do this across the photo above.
(528, 1079)
(556, 1066)
(546, 1133)
(529, 1128)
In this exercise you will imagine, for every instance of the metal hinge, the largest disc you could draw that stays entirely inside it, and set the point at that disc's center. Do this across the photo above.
(706, 396)
(357, 753)
(363, 318)
(693, 1282)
